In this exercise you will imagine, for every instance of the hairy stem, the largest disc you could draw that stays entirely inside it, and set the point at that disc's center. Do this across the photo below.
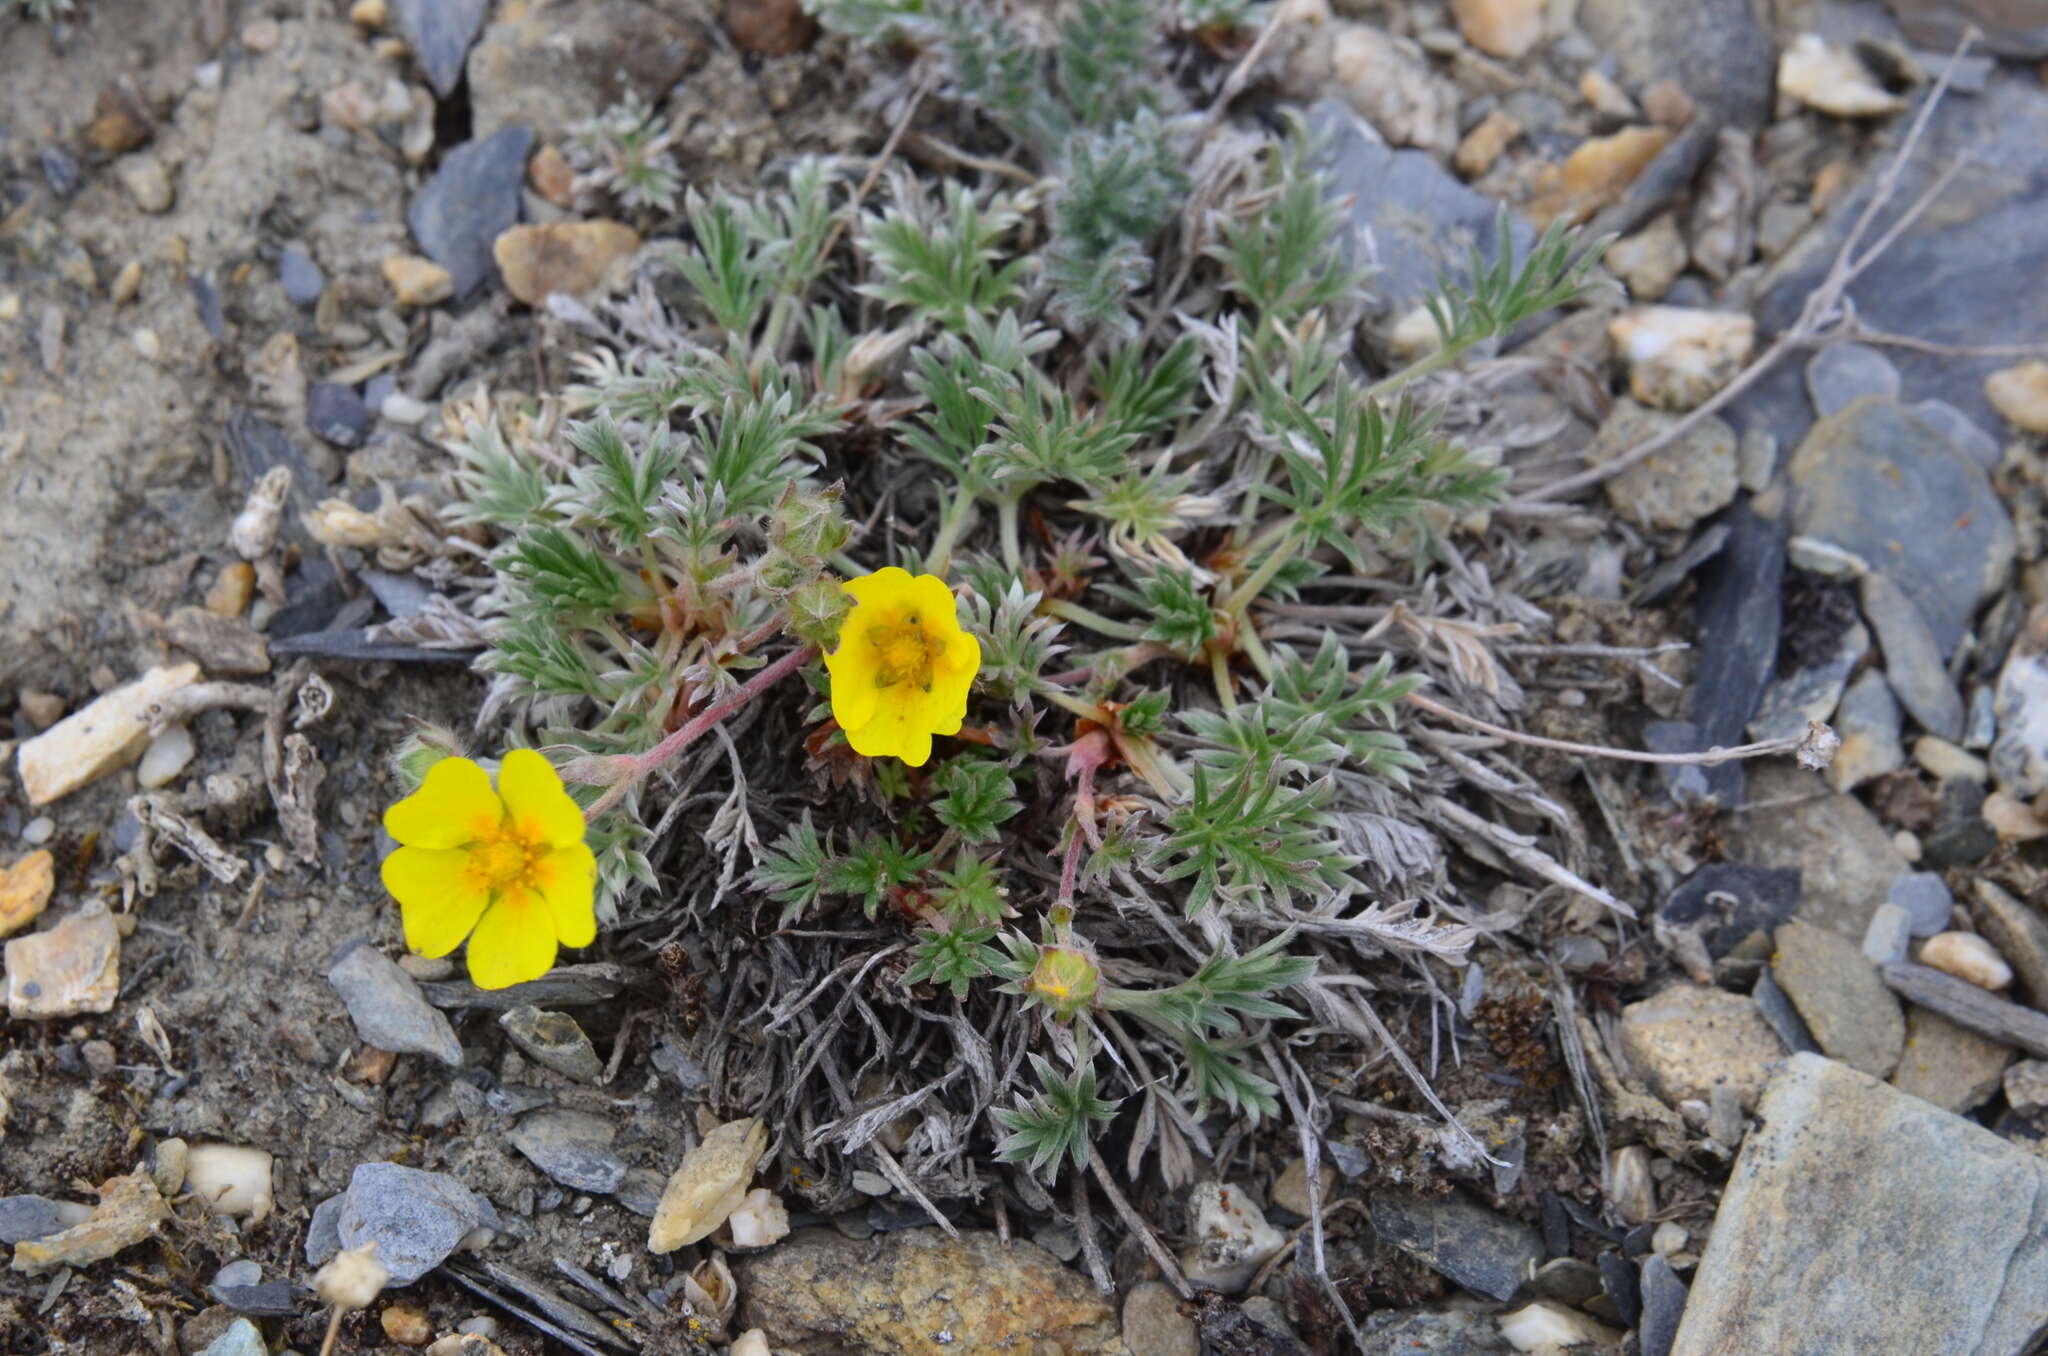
(1094, 621)
(697, 727)
(960, 516)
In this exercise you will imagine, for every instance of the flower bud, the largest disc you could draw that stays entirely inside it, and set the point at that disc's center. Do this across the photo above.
(1065, 979)
(597, 769)
(808, 524)
(423, 748)
(816, 609)
(352, 1279)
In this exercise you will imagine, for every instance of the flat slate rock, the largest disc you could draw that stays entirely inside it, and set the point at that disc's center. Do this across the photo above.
(1424, 221)
(415, 1218)
(387, 1007)
(472, 199)
(1484, 1252)
(1845, 857)
(1715, 50)
(1859, 1219)
(1738, 615)
(1838, 991)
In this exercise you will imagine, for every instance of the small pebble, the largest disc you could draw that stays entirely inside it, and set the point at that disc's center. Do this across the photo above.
(1946, 760)
(39, 831)
(406, 1324)
(418, 282)
(142, 174)
(242, 1272)
(2026, 1085)
(43, 709)
(1907, 844)
(1925, 898)
(1967, 956)
(1670, 1236)
(127, 282)
(336, 413)
(166, 757)
(60, 171)
(1888, 936)
(229, 594)
(400, 408)
(147, 344)
(300, 277)
(261, 37)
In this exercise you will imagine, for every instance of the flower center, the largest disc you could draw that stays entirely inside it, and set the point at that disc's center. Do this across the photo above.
(906, 652)
(504, 857)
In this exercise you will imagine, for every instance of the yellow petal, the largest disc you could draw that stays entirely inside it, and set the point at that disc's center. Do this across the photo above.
(886, 587)
(945, 706)
(897, 730)
(933, 602)
(959, 663)
(533, 794)
(853, 667)
(567, 879)
(454, 805)
(513, 942)
(437, 896)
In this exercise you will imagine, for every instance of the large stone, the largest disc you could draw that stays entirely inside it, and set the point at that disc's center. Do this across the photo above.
(1673, 488)
(551, 67)
(571, 257)
(708, 1185)
(2021, 936)
(1692, 1038)
(1954, 1068)
(1715, 50)
(1480, 1250)
(387, 1007)
(1912, 657)
(573, 1147)
(415, 1218)
(1969, 274)
(107, 735)
(26, 1217)
(1452, 1330)
(1871, 728)
(73, 968)
(1845, 857)
(1810, 693)
(1859, 1219)
(1837, 990)
(890, 1294)
(2014, 28)
(1887, 487)
(2019, 754)
(1423, 221)
(472, 199)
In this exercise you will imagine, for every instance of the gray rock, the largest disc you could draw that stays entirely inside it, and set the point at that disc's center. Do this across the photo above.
(1964, 434)
(60, 171)
(1845, 858)
(1446, 1331)
(670, 1059)
(301, 278)
(1925, 898)
(1684, 783)
(1871, 730)
(1842, 374)
(455, 1103)
(1738, 899)
(387, 1007)
(1674, 489)
(1663, 1306)
(2019, 753)
(553, 67)
(640, 1191)
(1980, 727)
(573, 1148)
(2013, 28)
(1968, 275)
(268, 1299)
(1838, 992)
(1468, 1243)
(553, 1039)
(1811, 693)
(29, 1217)
(1153, 1324)
(323, 1231)
(1889, 935)
(1715, 50)
(1886, 487)
(439, 33)
(242, 1272)
(1860, 1219)
(1954, 1068)
(337, 414)
(415, 1218)
(241, 1339)
(1783, 1019)
(472, 199)
(1422, 219)
(1912, 657)
(2021, 936)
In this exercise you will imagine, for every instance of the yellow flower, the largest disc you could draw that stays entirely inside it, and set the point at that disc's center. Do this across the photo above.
(508, 869)
(903, 666)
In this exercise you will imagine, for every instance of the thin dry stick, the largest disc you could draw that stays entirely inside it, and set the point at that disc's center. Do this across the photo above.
(1706, 758)
(1310, 1156)
(1091, 1246)
(882, 160)
(1822, 305)
(1140, 1230)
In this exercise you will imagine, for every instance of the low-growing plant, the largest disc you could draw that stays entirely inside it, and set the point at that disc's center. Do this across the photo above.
(1094, 422)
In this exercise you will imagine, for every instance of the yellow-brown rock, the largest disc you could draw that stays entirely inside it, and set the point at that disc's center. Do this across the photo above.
(25, 890)
(2020, 394)
(887, 1295)
(1502, 28)
(568, 256)
(73, 968)
(107, 735)
(708, 1186)
(1598, 173)
(229, 594)
(417, 281)
(1483, 144)
(548, 174)
(129, 1211)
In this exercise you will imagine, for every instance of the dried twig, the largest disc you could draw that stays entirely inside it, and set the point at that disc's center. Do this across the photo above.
(1798, 744)
(1821, 313)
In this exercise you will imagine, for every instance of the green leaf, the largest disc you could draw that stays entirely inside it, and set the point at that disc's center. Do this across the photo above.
(970, 892)
(499, 485)
(793, 871)
(873, 867)
(561, 569)
(942, 264)
(1055, 1124)
(975, 795)
(1226, 989)
(1282, 256)
(1251, 837)
(1173, 610)
(622, 487)
(954, 959)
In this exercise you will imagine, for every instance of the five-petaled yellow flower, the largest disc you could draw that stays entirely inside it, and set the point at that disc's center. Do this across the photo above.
(903, 666)
(506, 868)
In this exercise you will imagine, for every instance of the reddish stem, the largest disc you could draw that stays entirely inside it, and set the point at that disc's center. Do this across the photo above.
(698, 726)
